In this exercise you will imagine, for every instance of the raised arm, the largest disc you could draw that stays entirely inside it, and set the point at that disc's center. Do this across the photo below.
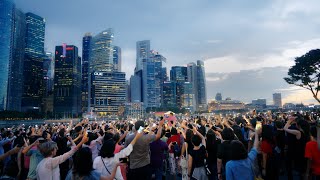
(292, 131)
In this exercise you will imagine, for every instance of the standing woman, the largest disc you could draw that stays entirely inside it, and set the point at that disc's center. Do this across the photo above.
(48, 168)
(302, 135)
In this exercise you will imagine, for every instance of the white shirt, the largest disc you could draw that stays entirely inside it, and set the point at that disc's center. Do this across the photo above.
(110, 163)
(48, 168)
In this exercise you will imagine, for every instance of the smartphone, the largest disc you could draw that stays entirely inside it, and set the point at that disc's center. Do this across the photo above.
(140, 129)
(123, 160)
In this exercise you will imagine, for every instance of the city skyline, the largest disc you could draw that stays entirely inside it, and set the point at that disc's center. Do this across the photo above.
(265, 41)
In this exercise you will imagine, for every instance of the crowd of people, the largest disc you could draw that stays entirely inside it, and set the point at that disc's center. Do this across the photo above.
(233, 147)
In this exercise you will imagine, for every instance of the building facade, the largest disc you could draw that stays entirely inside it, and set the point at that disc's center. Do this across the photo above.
(142, 53)
(15, 81)
(187, 97)
(86, 48)
(277, 101)
(136, 87)
(169, 95)
(152, 80)
(117, 58)
(218, 97)
(67, 81)
(101, 58)
(33, 63)
(192, 78)
(108, 92)
(201, 86)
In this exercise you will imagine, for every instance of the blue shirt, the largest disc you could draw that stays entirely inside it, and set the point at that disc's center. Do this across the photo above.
(35, 158)
(242, 169)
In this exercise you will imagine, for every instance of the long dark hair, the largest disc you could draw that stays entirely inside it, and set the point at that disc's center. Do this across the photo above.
(82, 162)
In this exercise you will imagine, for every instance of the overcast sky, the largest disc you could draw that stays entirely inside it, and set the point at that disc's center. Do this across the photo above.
(247, 45)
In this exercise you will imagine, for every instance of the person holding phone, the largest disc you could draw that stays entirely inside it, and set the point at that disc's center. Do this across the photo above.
(107, 160)
(35, 157)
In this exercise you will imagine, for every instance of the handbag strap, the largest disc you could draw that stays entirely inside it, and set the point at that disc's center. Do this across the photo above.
(106, 167)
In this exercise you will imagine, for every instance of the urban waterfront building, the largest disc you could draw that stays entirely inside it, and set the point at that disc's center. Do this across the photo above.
(201, 86)
(101, 57)
(33, 63)
(187, 97)
(108, 92)
(86, 48)
(259, 103)
(67, 81)
(117, 58)
(169, 94)
(15, 80)
(164, 74)
(277, 101)
(48, 77)
(134, 110)
(178, 74)
(226, 105)
(142, 53)
(136, 87)
(152, 80)
(218, 97)
(192, 78)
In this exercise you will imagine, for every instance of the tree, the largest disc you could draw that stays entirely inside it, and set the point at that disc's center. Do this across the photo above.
(306, 72)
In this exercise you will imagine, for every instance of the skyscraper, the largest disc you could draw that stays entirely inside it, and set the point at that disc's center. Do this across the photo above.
(152, 80)
(108, 92)
(136, 87)
(179, 74)
(67, 81)
(169, 94)
(86, 47)
(218, 97)
(15, 81)
(48, 77)
(33, 63)
(6, 41)
(101, 57)
(201, 86)
(277, 101)
(117, 58)
(187, 97)
(143, 53)
(164, 74)
(192, 78)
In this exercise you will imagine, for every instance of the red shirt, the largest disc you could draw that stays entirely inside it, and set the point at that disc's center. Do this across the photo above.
(312, 152)
(174, 138)
(266, 147)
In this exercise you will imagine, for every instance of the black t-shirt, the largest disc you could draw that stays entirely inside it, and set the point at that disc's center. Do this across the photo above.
(198, 157)
(212, 149)
(224, 152)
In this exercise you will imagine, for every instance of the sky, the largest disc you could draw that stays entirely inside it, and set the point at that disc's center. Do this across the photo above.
(247, 46)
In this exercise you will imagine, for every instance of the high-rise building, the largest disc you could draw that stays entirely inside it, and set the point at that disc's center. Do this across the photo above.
(136, 87)
(259, 103)
(187, 97)
(117, 58)
(67, 81)
(201, 86)
(152, 80)
(15, 81)
(108, 92)
(169, 94)
(192, 78)
(164, 74)
(178, 74)
(48, 77)
(101, 57)
(86, 47)
(6, 43)
(277, 100)
(218, 97)
(33, 63)
(143, 53)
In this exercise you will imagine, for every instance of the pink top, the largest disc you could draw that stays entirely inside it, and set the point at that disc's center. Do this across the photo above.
(117, 148)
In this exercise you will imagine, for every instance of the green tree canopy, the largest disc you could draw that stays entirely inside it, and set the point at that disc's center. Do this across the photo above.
(306, 72)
